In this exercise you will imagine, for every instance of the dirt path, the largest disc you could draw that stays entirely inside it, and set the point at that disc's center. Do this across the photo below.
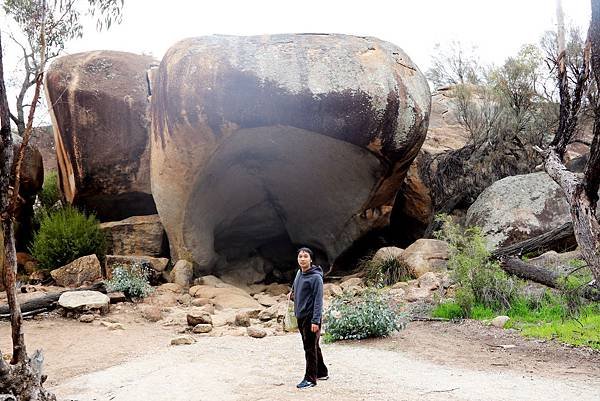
(427, 361)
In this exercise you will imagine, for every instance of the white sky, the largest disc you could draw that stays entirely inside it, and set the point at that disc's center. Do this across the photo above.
(498, 28)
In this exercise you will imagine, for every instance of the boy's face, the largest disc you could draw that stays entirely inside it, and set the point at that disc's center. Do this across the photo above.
(304, 260)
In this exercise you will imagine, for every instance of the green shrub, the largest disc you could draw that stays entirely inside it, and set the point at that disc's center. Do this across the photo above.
(370, 314)
(131, 280)
(50, 193)
(387, 271)
(479, 279)
(65, 235)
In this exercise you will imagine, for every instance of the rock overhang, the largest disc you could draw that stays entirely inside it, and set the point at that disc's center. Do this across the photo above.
(239, 123)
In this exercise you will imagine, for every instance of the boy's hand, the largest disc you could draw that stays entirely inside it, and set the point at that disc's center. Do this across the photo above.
(314, 328)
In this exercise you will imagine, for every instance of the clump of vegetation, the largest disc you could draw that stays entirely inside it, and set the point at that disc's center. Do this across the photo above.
(370, 314)
(50, 193)
(65, 235)
(386, 271)
(479, 279)
(131, 280)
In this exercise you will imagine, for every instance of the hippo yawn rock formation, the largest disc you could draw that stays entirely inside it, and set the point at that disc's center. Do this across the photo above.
(283, 139)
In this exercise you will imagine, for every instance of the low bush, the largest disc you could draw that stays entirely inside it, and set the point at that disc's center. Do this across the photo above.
(132, 280)
(479, 279)
(370, 314)
(387, 271)
(65, 235)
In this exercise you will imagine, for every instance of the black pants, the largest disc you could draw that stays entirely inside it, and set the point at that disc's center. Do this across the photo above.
(312, 352)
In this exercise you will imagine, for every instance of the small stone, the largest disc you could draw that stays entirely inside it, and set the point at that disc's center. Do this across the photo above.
(116, 297)
(185, 299)
(152, 313)
(429, 281)
(500, 321)
(183, 340)
(87, 318)
(269, 313)
(242, 319)
(256, 332)
(202, 328)
(116, 326)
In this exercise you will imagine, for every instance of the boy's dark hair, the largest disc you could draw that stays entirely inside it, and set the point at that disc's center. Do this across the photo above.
(307, 250)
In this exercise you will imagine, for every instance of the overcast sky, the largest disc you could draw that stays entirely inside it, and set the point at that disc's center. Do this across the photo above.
(498, 28)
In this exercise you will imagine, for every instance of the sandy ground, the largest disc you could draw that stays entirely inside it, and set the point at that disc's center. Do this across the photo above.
(427, 361)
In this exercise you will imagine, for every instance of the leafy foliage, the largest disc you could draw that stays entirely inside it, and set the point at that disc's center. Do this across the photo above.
(50, 193)
(131, 280)
(386, 271)
(65, 235)
(370, 314)
(479, 279)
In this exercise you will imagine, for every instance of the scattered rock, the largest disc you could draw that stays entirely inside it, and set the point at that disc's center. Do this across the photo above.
(198, 317)
(202, 328)
(84, 270)
(242, 319)
(269, 313)
(425, 255)
(265, 300)
(226, 297)
(500, 321)
(256, 332)
(346, 284)
(429, 281)
(182, 273)
(183, 340)
(152, 313)
(414, 294)
(208, 280)
(84, 300)
(87, 318)
(184, 299)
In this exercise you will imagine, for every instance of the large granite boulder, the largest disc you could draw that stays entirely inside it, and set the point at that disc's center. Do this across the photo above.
(519, 207)
(297, 139)
(136, 235)
(99, 113)
(84, 270)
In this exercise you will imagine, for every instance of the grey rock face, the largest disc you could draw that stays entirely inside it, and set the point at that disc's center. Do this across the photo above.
(301, 139)
(519, 207)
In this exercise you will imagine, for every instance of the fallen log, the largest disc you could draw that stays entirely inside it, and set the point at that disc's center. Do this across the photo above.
(560, 239)
(47, 302)
(542, 275)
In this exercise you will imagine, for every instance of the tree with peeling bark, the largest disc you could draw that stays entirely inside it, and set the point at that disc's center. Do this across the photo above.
(46, 24)
(581, 190)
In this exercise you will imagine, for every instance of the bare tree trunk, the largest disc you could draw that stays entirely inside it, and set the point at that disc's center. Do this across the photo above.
(22, 378)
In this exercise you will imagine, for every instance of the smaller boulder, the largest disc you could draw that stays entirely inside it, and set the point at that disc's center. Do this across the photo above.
(269, 313)
(500, 321)
(265, 300)
(277, 289)
(425, 255)
(256, 332)
(136, 235)
(84, 301)
(413, 294)
(170, 287)
(242, 319)
(152, 313)
(198, 316)
(84, 270)
(87, 318)
(332, 290)
(182, 273)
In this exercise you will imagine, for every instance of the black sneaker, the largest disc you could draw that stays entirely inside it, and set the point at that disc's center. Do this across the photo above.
(305, 384)
(323, 377)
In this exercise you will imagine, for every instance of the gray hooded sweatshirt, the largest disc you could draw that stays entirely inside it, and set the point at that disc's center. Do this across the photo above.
(308, 294)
